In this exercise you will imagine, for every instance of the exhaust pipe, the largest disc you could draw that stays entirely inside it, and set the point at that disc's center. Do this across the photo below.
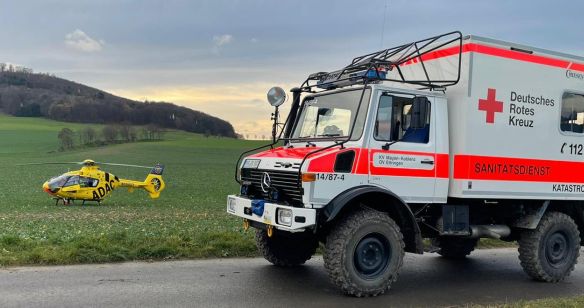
(490, 231)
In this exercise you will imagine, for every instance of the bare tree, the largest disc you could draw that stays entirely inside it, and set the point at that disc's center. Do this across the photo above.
(66, 136)
(110, 133)
(145, 133)
(133, 134)
(125, 132)
(154, 132)
(87, 135)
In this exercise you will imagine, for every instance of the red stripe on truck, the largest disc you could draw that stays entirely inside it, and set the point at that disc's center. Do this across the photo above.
(364, 163)
(503, 53)
(472, 167)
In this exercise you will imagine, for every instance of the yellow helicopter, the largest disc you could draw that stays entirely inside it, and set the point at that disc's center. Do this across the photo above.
(90, 183)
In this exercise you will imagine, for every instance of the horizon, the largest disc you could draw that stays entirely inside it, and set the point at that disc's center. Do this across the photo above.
(221, 57)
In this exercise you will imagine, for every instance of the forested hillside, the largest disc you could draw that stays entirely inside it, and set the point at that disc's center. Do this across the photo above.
(23, 93)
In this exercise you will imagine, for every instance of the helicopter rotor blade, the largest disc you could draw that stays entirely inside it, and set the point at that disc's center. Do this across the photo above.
(82, 163)
(52, 163)
(123, 165)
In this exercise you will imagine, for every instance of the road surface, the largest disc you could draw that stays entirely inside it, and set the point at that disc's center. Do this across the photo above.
(488, 276)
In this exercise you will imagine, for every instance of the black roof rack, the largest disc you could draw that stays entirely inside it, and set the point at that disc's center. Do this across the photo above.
(375, 66)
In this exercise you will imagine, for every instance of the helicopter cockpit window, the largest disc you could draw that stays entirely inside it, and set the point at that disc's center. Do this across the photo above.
(58, 182)
(73, 180)
(88, 182)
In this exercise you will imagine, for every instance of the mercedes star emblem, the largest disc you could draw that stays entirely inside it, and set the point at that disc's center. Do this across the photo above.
(266, 182)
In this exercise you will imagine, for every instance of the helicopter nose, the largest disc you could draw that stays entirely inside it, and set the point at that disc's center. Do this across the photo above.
(46, 188)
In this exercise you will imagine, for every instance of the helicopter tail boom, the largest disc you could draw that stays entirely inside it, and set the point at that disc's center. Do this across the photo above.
(153, 183)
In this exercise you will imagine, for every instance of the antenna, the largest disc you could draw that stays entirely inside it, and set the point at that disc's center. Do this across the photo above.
(383, 27)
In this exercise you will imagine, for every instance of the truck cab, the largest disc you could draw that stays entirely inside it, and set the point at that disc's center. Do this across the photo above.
(369, 162)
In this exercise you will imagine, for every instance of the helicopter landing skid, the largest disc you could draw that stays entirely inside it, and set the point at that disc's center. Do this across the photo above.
(65, 201)
(72, 201)
(98, 202)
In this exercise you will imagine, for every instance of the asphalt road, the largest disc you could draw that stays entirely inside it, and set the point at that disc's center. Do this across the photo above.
(489, 276)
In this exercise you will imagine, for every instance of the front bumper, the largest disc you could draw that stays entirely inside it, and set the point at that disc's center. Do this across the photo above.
(302, 218)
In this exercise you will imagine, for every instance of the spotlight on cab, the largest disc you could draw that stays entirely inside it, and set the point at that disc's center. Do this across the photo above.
(276, 96)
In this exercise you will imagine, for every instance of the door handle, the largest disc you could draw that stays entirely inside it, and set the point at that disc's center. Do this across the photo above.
(427, 162)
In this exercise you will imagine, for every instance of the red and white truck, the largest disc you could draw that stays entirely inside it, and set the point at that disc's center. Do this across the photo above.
(451, 138)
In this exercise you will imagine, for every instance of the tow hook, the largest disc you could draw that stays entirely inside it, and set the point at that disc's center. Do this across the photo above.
(245, 224)
(270, 231)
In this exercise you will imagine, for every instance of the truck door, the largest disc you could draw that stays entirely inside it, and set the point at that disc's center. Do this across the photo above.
(402, 147)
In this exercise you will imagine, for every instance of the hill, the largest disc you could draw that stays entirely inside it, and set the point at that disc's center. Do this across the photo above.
(27, 94)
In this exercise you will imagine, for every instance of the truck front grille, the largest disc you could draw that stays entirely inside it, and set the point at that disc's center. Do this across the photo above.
(284, 182)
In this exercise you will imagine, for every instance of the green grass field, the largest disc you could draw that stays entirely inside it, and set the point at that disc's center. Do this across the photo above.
(188, 220)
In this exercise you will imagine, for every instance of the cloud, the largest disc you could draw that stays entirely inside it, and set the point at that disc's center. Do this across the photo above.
(221, 40)
(79, 40)
(254, 40)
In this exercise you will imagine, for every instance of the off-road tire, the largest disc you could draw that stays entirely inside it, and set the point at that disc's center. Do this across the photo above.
(340, 252)
(550, 252)
(286, 250)
(454, 247)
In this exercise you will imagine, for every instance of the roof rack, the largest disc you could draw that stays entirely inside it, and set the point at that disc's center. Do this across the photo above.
(374, 67)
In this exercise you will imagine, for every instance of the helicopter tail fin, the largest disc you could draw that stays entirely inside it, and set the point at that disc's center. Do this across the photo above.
(154, 183)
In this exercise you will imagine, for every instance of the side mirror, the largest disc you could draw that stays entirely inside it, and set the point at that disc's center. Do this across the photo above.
(420, 111)
(324, 111)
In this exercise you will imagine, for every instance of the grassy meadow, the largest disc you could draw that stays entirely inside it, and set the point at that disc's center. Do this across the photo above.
(188, 220)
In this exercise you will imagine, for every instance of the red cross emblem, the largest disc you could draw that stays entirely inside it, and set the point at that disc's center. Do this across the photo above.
(491, 105)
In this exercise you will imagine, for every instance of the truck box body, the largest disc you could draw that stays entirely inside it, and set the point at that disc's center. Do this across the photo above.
(507, 139)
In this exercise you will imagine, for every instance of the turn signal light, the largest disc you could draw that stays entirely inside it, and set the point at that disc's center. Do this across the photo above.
(308, 177)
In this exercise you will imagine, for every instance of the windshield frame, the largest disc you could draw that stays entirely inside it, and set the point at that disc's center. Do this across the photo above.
(360, 112)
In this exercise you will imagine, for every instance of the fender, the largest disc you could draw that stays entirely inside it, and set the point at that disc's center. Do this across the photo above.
(407, 219)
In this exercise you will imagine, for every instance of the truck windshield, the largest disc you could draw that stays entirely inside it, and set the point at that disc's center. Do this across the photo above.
(332, 115)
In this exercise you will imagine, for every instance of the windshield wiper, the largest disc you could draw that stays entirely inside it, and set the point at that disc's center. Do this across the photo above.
(330, 135)
(308, 143)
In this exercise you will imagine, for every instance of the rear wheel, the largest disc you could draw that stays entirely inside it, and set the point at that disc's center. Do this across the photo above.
(364, 252)
(550, 252)
(454, 247)
(286, 250)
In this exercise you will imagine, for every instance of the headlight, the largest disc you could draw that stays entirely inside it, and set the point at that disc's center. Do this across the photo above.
(284, 217)
(231, 205)
(251, 163)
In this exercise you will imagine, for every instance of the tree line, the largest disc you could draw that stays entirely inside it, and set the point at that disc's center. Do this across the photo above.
(109, 134)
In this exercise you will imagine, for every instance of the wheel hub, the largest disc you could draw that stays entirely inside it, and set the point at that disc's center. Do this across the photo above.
(556, 249)
(372, 255)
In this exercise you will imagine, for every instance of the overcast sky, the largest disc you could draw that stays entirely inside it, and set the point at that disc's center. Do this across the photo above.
(220, 57)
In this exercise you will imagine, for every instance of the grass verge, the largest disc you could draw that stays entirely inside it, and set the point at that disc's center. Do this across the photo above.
(566, 302)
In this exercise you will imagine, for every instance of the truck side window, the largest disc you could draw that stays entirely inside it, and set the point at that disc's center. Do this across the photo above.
(415, 135)
(382, 130)
(572, 118)
(393, 121)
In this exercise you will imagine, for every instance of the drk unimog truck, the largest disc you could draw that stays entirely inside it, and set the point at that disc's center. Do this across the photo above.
(452, 138)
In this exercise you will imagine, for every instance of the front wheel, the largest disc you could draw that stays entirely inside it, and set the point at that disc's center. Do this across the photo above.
(550, 252)
(364, 252)
(286, 250)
